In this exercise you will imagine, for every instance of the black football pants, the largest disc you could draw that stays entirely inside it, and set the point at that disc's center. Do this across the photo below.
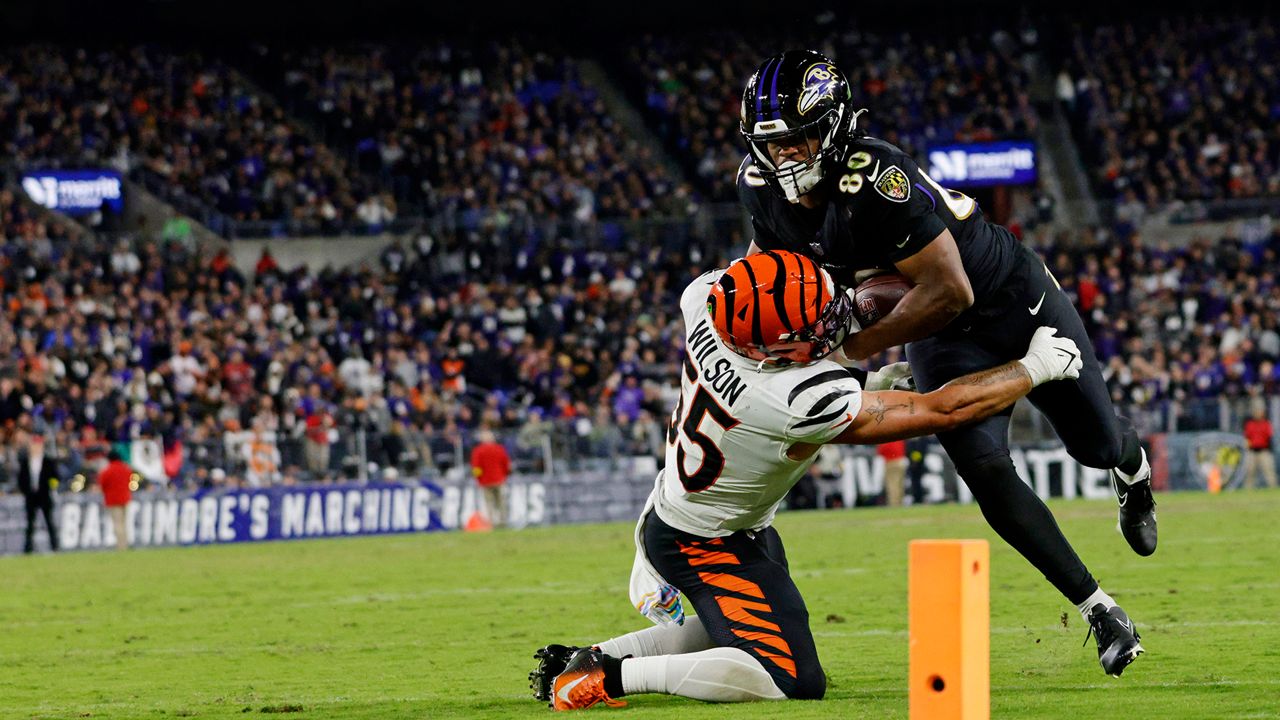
(38, 503)
(741, 588)
(1080, 411)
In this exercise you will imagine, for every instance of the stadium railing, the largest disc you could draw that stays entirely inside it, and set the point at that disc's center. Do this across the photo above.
(363, 454)
(549, 448)
(1226, 414)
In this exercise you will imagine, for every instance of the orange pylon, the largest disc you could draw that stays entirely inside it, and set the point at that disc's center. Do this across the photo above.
(949, 608)
(478, 523)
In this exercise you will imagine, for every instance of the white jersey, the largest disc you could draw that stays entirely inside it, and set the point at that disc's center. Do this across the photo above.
(726, 466)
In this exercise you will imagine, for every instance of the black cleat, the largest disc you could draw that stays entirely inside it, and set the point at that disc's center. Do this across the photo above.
(551, 662)
(1117, 638)
(1137, 510)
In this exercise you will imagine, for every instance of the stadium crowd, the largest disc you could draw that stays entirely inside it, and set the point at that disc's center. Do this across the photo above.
(466, 136)
(194, 130)
(1185, 108)
(971, 90)
(475, 134)
(1198, 322)
(112, 343)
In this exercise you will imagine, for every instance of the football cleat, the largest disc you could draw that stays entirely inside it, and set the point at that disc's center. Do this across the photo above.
(1137, 509)
(551, 661)
(1117, 638)
(581, 685)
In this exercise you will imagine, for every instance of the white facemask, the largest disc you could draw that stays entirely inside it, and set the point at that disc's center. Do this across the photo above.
(795, 185)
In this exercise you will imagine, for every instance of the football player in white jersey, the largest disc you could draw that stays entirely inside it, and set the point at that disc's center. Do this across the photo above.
(758, 399)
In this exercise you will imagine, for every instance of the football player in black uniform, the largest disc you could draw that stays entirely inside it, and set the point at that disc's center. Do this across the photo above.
(817, 184)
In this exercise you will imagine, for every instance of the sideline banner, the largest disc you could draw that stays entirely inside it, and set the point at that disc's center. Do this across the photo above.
(1047, 468)
(167, 518)
(160, 518)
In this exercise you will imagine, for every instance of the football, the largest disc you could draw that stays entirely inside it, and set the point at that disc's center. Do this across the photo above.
(878, 295)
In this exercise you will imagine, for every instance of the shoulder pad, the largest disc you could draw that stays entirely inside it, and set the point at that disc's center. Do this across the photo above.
(885, 167)
(876, 147)
(749, 174)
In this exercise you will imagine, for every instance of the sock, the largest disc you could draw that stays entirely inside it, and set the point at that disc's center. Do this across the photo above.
(1142, 473)
(660, 640)
(722, 674)
(1098, 596)
(613, 677)
(1133, 459)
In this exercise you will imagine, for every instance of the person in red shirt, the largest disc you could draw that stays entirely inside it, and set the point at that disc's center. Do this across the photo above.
(317, 446)
(93, 448)
(895, 470)
(1258, 434)
(116, 494)
(491, 465)
(237, 376)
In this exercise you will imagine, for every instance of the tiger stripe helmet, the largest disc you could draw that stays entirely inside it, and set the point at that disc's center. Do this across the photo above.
(779, 308)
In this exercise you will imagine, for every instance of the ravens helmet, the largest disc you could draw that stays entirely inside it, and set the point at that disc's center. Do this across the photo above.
(779, 308)
(796, 112)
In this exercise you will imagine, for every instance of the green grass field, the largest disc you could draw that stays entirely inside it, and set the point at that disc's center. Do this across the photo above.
(444, 625)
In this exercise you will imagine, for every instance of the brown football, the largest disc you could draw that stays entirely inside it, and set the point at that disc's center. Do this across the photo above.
(877, 296)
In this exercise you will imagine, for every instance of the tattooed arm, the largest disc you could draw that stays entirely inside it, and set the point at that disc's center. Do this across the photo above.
(894, 415)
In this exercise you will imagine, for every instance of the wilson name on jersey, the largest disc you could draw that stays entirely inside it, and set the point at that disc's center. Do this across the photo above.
(726, 463)
(882, 208)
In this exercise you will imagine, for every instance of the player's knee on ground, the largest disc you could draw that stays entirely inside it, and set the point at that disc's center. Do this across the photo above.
(798, 681)
(810, 684)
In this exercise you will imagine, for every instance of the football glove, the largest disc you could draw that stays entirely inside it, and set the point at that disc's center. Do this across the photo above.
(1051, 358)
(895, 376)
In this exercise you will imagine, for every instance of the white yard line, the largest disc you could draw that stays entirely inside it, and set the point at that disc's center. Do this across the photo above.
(1076, 626)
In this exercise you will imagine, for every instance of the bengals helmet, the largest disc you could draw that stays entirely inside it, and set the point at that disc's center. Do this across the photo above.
(779, 308)
(797, 98)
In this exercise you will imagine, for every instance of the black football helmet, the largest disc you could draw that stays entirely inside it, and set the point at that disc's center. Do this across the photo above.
(798, 99)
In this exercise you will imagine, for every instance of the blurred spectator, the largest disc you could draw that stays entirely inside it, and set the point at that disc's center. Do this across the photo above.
(804, 494)
(320, 424)
(490, 466)
(37, 477)
(895, 470)
(1258, 434)
(262, 460)
(114, 481)
(828, 470)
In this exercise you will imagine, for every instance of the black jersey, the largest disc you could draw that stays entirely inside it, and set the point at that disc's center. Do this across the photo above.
(882, 209)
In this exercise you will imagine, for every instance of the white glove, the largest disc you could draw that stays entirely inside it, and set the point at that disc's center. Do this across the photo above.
(896, 376)
(854, 326)
(1051, 358)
